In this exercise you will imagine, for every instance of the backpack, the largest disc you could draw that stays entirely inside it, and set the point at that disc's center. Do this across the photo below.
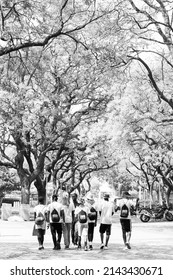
(93, 214)
(124, 211)
(82, 217)
(39, 219)
(55, 216)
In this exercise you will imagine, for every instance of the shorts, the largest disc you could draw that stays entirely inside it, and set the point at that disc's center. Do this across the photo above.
(126, 225)
(56, 227)
(105, 228)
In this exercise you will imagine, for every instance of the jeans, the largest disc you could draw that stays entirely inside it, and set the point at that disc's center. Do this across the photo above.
(66, 233)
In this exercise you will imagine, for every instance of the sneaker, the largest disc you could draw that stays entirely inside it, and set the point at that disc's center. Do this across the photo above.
(79, 247)
(106, 247)
(67, 247)
(128, 246)
(90, 247)
(102, 246)
(86, 248)
(125, 248)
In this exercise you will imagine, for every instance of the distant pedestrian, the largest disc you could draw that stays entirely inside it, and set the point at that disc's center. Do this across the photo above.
(74, 230)
(106, 212)
(81, 217)
(68, 208)
(40, 221)
(124, 205)
(92, 218)
(55, 214)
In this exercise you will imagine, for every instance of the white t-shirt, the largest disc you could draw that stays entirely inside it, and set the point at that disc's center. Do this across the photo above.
(40, 208)
(54, 205)
(129, 203)
(106, 208)
(68, 212)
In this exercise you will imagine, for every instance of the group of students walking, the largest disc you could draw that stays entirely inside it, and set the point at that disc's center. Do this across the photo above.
(75, 220)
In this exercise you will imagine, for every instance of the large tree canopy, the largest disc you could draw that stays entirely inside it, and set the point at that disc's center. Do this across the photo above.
(51, 95)
(145, 117)
(85, 86)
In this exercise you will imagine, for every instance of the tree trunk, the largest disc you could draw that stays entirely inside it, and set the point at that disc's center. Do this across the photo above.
(42, 193)
(41, 188)
(25, 190)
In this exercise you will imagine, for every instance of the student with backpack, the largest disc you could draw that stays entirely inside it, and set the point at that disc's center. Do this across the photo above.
(55, 215)
(92, 218)
(124, 205)
(81, 216)
(106, 212)
(40, 222)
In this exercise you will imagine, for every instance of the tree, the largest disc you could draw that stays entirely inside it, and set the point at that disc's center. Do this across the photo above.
(8, 183)
(144, 104)
(38, 114)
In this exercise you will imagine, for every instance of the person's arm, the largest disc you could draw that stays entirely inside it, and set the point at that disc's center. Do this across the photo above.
(116, 205)
(45, 214)
(48, 216)
(73, 216)
(95, 224)
(34, 215)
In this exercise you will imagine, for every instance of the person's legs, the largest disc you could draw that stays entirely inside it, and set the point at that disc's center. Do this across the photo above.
(102, 231)
(68, 233)
(107, 240)
(85, 236)
(108, 233)
(73, 233)
(126, 231)
(40, 238)
(128, 236)
(59, 233)
(122, 221)
(79, 234)
(76, 234)
(124, 236)
(90, 234)
(128, 228)
(64, 230)
(53, 232)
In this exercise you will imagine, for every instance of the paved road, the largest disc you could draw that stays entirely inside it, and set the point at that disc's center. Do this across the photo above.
(153, 240)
